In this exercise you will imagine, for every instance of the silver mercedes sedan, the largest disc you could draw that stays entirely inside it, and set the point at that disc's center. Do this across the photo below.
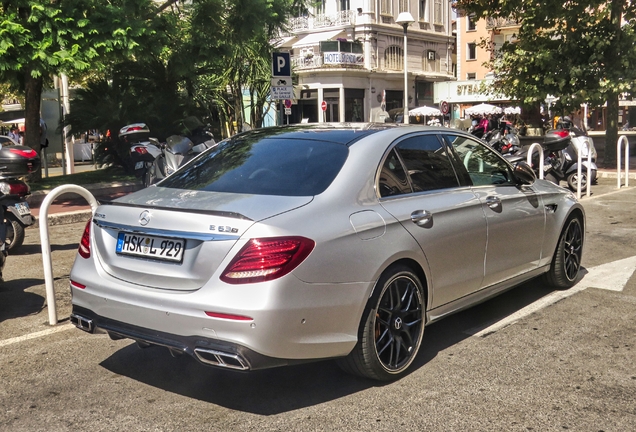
(289, 244)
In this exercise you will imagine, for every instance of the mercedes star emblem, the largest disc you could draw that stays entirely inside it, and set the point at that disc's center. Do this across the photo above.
(144, 218)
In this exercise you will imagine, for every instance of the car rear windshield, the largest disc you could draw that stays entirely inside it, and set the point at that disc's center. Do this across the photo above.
(253, 164)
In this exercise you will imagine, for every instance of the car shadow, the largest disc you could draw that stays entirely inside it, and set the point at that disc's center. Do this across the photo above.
(274, 391)
(16, 302)
(32, 249)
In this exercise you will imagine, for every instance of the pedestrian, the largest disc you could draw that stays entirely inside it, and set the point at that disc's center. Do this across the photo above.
(14, 134)
(43, 140)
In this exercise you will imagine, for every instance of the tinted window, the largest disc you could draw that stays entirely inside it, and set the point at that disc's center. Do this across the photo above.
(427, 163)
(393, 179)
(270, 165)
(484, 165)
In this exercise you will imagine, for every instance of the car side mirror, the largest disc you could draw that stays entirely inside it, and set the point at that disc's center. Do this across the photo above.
(524, 173)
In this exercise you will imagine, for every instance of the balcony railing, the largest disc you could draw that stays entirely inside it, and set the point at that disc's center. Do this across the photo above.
(338, 19)
(492, 23)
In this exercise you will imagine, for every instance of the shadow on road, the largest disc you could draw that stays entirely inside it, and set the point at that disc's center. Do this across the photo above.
(16, 302)
(275, 391)
(32, 249)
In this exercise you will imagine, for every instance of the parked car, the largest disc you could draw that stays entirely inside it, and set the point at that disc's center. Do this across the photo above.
(290, 244)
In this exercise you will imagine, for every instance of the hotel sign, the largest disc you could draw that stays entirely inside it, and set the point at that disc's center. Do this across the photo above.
(342, 58)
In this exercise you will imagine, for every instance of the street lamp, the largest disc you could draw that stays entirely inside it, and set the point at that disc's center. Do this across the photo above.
(405, 19)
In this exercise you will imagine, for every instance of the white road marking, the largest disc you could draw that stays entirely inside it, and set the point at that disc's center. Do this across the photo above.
(611, 276)
(42, 333)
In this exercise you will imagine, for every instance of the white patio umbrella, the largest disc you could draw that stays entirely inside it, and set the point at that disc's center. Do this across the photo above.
(14, 121)
(425, 111)
(512, 110)
(483, 109)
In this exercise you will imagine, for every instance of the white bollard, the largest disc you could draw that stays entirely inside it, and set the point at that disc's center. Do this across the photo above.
(529, 157)
(44, 239)
(622, 140)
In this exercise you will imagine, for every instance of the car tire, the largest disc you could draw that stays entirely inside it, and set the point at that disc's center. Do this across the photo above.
(392, 328)
(566, 261)
(15, 234)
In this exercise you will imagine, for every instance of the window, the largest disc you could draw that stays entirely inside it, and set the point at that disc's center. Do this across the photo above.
(263, 164)
(427, 163)
(471, 52)
(438, 12)
(403, 5)
(393, 179)
(423, 12)
(484, 166)
(394, 58)
(471, 76)
(471, 25)
(385, 7)
(320, 7)
(344, 5)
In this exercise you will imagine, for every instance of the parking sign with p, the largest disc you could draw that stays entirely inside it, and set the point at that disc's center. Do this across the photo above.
(281, 64)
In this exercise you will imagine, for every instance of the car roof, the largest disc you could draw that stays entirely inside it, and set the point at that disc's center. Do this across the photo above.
(340, 133)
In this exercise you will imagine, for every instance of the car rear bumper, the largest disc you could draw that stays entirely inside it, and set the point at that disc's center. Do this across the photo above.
(206, 350)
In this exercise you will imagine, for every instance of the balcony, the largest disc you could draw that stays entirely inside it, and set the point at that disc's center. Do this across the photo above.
(340, 19)
(498, 23)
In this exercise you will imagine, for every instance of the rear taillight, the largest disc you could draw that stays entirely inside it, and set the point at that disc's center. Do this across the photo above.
(266, 259)
(14, 188)
(562, 133)
(25, 153)
(84, 249)
(140, 150)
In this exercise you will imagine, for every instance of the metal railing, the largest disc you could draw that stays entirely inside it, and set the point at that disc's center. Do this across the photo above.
(339, 19)
(579, 172)
(46, 245)
(621, 140)
(529, 157)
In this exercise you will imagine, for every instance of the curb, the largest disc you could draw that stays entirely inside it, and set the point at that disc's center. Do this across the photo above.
(614, 175)
(65, 218)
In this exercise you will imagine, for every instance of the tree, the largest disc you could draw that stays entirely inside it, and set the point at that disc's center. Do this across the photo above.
(40, 38)
(579, 52)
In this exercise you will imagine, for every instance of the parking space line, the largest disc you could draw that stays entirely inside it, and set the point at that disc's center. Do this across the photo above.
(35, 335)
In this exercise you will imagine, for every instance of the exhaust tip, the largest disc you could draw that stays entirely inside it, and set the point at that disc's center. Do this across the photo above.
(221, 359)
(82, 323)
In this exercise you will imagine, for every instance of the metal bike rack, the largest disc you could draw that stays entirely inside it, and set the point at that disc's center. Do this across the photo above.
(579, 172)
(529, 158)
(44, 239)
(622, 140)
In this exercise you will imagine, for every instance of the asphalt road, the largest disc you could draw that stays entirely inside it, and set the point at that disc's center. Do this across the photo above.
(531, 359)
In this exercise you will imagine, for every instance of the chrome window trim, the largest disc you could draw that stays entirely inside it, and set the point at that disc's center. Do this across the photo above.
(166, 233)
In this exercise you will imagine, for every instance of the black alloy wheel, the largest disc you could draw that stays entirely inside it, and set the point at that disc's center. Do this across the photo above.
(566, 262)
(392, 328)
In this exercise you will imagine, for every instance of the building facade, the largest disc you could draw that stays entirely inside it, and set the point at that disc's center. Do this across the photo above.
(349, 54)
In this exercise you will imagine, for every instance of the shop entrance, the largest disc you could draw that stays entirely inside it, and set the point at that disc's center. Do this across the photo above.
(332, 113)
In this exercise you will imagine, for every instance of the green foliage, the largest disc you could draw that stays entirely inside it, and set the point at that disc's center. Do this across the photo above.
(575, 51)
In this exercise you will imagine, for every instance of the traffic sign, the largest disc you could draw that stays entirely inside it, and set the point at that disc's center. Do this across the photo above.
(287, 111)
(288, 103)
(444, 107)
(323, 105)
(281, 64)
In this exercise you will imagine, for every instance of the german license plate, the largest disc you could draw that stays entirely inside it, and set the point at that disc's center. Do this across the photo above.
(160, 248)
(22, 208)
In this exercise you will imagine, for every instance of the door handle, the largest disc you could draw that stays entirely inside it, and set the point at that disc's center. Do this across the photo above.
(493, 202)
(422, 218)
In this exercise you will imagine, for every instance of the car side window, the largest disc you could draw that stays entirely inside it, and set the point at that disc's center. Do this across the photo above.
(393, 179)
(484, 165)
(427, 163)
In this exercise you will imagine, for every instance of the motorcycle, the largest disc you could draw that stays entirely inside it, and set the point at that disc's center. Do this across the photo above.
(180, 149)
(143, 149)
(16, 161)
(175, 152)
(503, 139)
(581, 143)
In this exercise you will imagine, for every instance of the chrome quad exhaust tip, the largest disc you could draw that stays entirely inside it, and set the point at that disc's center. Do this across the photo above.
(82, 323)
(221, 359)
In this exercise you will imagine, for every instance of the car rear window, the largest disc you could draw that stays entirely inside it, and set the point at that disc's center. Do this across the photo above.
(254, 164)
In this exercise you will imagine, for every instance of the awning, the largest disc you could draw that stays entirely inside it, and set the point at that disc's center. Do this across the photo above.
(285, 42)
(315, 38)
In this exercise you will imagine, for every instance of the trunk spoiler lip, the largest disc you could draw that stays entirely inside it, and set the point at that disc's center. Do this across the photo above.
(232, 215)
(166, 233)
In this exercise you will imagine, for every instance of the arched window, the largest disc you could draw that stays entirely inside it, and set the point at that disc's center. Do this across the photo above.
(394, 58)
